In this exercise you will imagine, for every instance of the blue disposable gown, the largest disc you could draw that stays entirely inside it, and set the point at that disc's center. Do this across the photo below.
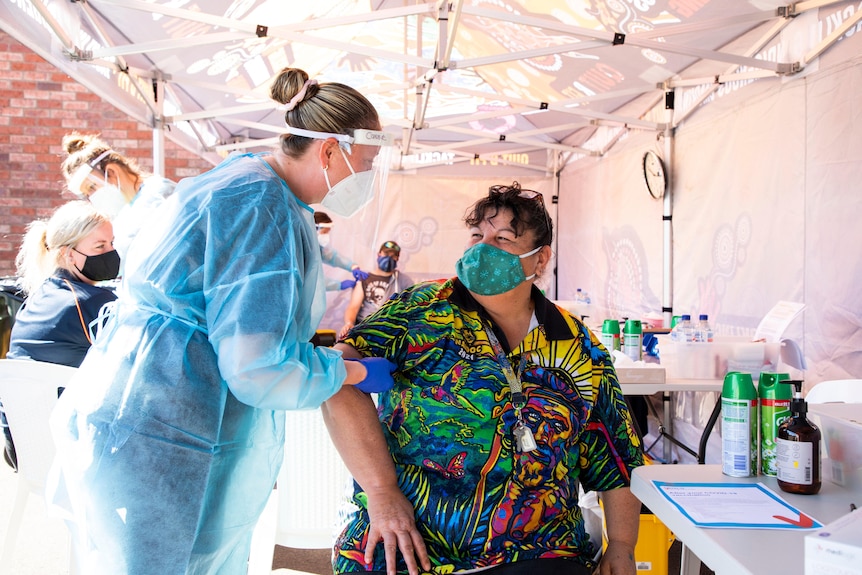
(170, 436)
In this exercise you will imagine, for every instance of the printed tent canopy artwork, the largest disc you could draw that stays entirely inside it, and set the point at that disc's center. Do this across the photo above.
(532, 85)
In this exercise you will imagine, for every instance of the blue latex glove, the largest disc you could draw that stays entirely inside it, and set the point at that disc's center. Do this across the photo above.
(359, 274)
(348, 284)
(379, 378)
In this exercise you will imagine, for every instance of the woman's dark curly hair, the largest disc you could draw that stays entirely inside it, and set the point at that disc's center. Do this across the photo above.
(527, 206)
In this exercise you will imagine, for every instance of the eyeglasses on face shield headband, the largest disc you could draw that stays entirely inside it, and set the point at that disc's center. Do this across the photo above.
(360, 136)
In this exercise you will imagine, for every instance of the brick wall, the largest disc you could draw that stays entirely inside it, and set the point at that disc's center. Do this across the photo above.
(38, 106)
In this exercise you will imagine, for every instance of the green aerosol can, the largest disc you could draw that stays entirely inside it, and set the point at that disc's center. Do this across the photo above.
(738, 425)
(611, 334)
(633, 335)
(774, 404)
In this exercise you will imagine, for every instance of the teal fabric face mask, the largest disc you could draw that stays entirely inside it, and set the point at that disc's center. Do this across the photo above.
(487, 270)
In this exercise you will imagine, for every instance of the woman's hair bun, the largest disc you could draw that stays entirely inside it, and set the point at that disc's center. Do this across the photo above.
(287, 84)
(75, 142)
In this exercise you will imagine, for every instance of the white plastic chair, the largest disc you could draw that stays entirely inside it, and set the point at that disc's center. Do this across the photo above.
(28, 392)
(836, 390)
(311, 484)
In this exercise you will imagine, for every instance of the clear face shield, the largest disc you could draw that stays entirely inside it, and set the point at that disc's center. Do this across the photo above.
(356, 191)
(88, 184)
(82, 179)
(382, 141)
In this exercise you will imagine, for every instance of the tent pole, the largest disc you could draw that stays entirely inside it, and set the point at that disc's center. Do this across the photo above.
(159, 128)
(667, 226)
(555, 200)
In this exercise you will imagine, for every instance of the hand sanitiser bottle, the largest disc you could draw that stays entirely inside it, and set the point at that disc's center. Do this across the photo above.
(797, 448)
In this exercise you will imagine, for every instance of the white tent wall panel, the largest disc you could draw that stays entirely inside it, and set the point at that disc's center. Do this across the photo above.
(738, 214)
(833, 235)
(765, 204)
(766, 207)
(610, 235)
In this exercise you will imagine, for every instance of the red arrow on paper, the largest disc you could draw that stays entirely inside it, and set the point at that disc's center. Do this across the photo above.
(804, 521)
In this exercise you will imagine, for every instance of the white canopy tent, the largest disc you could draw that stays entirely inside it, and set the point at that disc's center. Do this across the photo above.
(533, 86)
(536, 84)
(753, 105)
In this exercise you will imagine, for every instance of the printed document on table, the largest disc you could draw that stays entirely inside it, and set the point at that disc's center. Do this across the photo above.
(734, 506)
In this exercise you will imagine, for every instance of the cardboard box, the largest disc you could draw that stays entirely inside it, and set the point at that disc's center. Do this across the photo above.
(651, 374)
(836, 548)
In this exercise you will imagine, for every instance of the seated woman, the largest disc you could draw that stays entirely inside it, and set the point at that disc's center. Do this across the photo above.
(503, 404)
(59, 263)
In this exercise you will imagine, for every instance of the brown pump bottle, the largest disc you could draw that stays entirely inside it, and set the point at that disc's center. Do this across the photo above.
(797, 448)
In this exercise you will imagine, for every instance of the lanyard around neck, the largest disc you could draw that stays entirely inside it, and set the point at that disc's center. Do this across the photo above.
(515, 390)
(80, 314)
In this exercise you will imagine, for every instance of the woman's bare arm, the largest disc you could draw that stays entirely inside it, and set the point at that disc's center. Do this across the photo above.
(351, 418)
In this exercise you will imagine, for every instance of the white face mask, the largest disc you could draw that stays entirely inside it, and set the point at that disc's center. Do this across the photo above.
(108, 199)
(350, 194)
(323, 240)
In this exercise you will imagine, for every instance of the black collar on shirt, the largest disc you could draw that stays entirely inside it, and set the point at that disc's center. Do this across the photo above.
(547, 313)
(63, 273)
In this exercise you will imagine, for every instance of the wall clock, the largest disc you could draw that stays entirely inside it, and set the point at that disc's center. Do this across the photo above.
(654, 174)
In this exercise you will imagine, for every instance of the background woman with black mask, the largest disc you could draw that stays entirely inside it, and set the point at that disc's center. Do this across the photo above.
(59, 264)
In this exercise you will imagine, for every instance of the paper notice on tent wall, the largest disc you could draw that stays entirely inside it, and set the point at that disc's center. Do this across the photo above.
(775, 323)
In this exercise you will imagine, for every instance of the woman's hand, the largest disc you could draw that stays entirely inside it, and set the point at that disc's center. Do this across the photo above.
(617, 559)
(345, 329)
(622, 518)
(392, 522)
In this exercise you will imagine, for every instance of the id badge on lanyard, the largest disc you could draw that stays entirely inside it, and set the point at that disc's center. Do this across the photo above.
(524, 439)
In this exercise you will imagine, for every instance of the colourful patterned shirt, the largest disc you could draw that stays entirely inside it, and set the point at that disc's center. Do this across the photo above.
(448, 422)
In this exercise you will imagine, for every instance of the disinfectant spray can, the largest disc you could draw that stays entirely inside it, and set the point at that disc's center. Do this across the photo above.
(633, 339)
(611, 334)
(774, 409)
(738, 425)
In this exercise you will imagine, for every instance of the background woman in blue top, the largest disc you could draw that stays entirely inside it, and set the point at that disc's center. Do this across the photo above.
(59, 262)
(170, 437)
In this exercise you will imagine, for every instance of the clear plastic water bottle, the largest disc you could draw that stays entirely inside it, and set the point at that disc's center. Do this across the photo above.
(683, 331)
(703, 331)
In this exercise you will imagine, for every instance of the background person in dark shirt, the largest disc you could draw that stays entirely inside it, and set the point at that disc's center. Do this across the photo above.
(370, 293)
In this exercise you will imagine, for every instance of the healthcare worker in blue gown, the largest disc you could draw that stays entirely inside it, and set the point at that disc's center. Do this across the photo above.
(170, 436)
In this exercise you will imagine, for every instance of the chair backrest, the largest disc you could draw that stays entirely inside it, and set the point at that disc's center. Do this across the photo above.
(836, 390)
(28, 392)
(313, 484)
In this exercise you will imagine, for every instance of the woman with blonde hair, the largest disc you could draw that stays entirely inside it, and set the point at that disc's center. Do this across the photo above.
(168, 454)
(113, 183)
(59, 263)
